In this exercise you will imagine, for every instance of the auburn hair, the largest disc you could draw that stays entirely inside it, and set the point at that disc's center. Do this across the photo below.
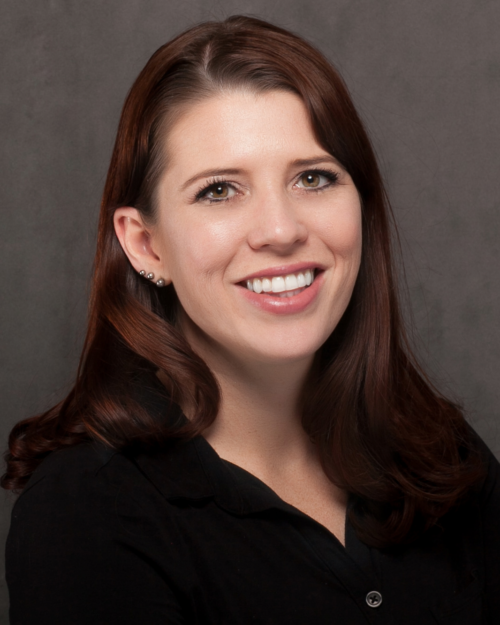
(385, 435)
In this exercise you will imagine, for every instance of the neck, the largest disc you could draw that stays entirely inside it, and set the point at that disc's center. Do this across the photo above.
(259, 420)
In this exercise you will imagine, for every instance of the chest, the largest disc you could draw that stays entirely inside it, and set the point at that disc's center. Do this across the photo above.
(321, 504)
(306, 487)
(274, 566)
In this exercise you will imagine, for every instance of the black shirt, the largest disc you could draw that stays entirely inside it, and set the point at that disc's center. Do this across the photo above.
(182, 536)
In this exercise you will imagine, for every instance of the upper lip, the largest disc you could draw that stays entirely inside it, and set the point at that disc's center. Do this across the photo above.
(282, 270)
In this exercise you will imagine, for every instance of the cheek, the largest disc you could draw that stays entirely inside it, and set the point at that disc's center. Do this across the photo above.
(198, 247)
(343, 233)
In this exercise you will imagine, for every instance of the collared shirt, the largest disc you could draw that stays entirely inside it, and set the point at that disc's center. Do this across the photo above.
(182, 536)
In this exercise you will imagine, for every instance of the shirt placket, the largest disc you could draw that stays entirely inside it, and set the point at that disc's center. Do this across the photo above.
(364, 589)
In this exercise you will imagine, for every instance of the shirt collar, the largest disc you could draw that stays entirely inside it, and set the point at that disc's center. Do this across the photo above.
(192, 470)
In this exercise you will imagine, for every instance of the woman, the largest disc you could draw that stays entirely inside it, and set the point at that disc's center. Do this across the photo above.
(248, 438)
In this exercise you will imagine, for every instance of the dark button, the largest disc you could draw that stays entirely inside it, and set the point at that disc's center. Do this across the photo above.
(374, 599)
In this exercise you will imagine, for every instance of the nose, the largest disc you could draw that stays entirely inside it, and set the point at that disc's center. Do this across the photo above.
(276, 224)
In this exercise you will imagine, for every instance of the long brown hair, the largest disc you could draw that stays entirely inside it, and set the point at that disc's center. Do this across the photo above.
(384, 433)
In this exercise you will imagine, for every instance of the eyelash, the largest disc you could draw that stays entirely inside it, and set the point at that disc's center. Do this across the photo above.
(211, 184)
(331, 176)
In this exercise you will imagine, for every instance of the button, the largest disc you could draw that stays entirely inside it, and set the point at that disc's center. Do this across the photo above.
(374, 599)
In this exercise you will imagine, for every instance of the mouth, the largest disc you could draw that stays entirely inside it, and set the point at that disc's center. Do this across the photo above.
(286, 285)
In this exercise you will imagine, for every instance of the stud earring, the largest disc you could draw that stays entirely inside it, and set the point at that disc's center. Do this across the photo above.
(150, 276)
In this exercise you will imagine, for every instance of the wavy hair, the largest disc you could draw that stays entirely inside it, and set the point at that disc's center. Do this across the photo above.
(384, 433)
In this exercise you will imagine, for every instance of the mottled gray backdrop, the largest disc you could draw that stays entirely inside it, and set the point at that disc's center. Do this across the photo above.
(426, 78)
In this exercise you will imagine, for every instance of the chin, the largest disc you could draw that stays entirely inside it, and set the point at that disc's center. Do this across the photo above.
(280, 353)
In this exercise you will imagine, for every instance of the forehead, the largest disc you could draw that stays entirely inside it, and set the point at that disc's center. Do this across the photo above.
(239, 127)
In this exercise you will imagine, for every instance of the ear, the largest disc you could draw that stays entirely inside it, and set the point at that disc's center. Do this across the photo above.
(137, 242)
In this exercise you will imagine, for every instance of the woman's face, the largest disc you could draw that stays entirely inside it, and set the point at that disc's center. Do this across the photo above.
(251, 209)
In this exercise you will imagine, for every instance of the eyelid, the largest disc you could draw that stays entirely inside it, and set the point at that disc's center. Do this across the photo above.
(331, 175)
(207, 185)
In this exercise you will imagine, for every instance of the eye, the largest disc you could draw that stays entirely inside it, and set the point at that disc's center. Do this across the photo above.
(311, 180)
(317, 180)
(216, 192)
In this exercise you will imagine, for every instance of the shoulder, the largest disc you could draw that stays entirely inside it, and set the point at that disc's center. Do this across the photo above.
(487, 503)
(488, 489)
(84, 534)
(77, 462)
(89, 488)
(71, 470)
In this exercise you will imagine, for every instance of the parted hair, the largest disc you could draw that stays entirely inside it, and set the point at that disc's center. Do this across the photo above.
(385, 434)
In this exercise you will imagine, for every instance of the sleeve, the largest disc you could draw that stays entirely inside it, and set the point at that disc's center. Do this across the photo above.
(76, 556)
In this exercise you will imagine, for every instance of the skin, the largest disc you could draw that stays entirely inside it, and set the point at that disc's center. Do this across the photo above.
(267, 212)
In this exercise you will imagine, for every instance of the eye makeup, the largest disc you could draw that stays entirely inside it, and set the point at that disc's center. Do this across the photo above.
(213, 186)
(224, 187)
(331, 176)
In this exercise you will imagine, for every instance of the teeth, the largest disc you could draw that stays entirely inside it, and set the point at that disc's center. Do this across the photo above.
(266, 285)
(290, 293)
(278, 284)
(288, 285)
(291, 282)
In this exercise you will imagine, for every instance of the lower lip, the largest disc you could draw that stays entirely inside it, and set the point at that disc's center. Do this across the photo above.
(284, 305)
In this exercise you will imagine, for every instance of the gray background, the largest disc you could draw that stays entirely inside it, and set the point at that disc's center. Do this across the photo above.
(426, 77)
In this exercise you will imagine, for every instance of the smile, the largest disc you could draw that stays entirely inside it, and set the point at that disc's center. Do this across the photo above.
(286, 293)
(282, 286)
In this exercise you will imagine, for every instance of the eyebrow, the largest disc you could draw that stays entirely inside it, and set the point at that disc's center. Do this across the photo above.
(300, 162)
(309, 162)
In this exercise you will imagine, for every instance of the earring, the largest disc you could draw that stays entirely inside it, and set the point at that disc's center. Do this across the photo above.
(150, 276)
